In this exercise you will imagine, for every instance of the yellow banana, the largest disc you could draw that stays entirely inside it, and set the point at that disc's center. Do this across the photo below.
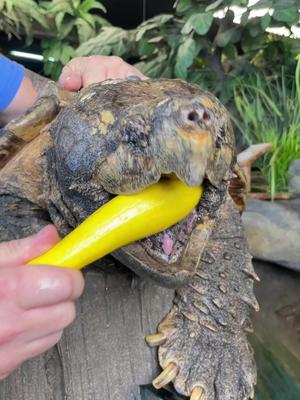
(124, 219)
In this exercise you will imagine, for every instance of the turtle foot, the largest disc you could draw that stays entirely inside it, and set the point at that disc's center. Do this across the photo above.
(205, 361)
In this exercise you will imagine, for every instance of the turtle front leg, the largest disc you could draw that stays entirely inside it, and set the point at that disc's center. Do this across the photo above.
(203, 346)
(22, 204)
(20, 218)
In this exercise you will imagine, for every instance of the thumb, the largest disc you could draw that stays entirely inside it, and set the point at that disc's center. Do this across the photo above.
(69, 79)
(18, 252)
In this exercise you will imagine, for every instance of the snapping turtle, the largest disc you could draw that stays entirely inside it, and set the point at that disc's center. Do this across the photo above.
(120, 137)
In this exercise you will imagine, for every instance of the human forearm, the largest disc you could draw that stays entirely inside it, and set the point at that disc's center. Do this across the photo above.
(24, 99)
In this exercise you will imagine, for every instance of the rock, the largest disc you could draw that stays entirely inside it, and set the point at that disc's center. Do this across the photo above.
(294, 174)
(273, 231)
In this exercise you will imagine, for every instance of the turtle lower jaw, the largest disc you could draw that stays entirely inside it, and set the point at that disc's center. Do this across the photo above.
(173, 264)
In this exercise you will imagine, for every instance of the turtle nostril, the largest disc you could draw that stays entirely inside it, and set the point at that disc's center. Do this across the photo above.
(206, 116)
(193, 116)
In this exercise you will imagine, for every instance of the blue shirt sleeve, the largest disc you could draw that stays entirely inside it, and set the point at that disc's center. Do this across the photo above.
(11, 77)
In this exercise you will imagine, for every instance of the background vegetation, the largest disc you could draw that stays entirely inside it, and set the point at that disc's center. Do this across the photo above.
(226, 46)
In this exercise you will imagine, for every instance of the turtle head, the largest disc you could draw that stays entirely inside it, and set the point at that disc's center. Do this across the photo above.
(194, 138)
(121, 137)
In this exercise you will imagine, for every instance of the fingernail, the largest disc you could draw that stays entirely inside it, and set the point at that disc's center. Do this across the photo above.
(45, 232)
(46, 237)
(133, 78)
(62, 82)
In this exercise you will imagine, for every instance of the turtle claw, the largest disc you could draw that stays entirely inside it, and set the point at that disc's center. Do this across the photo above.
(166, 376)
(156, 339)
(206, 365)
(198, 393)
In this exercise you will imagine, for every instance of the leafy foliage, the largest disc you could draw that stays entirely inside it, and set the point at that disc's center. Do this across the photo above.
(74, 23)
(269, 112)
(17, 16)
(67, 23)
(209, 42)
(202, 41)
(110, 40)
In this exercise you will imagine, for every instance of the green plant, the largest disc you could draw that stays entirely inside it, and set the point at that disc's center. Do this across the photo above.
(269, 112)
(204, 43)
(18, 16)
(74, 22)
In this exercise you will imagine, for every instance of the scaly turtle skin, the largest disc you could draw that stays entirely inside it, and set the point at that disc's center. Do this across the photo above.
(120, 137)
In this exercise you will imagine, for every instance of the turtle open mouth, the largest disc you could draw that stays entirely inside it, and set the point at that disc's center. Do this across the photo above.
(169, 245)
(166, 248)
(170, 257)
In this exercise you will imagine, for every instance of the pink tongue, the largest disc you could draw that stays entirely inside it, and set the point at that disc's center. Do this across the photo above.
(167, 244)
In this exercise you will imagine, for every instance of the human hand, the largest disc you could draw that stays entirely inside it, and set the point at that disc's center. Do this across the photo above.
(36, 302)
(83, 71)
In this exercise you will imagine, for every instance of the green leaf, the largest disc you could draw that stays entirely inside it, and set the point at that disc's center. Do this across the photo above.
(66, 54)
(248, 44)
(154, 67)
(56, 6)
(255, 30)
(186, 54)
(59, 19)
(99, 6)
(230, 35)
(66, 28)
(289, 15)
(100, 21)
(110, 40)
(75, 3)
(265, 21)
(88, 18)
(88, 5)
(161, 19)
(214, 5)
(245, 18)
(145, 48)
(200, 23)
(141, 30)
(230, 51)
(167, 72)
(84, 29)
(156, 39)
(183, 5)
(152, 23)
